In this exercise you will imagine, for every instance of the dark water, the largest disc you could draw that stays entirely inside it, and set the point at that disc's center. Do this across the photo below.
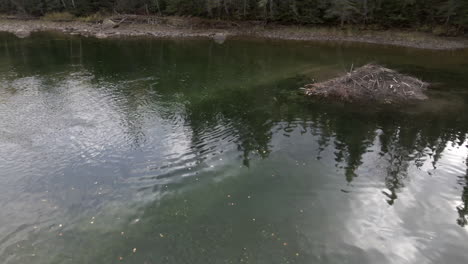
(166, 151)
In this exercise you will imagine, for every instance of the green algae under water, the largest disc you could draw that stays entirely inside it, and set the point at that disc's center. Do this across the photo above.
(186, 151)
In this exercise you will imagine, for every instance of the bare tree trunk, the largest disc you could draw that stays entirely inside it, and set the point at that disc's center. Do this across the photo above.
(208, 9)
(157, 6)
(365, 11)
(294, 8)
(226, 7)
(245, 8)
(271, 9)
(73, 3)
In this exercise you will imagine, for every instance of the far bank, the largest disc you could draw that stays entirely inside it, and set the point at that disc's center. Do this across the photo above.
(176, 27)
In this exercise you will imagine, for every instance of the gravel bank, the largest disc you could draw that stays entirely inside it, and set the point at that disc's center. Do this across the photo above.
(23, 28)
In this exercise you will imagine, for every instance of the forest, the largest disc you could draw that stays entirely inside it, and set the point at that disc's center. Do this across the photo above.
(382, 13)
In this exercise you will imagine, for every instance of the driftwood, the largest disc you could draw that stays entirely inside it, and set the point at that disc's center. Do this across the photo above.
(370, 83)
(137, 19)
(173, 21)
(20, 17)
(120, 22)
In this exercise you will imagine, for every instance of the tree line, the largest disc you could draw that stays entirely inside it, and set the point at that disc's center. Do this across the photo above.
(386, 13)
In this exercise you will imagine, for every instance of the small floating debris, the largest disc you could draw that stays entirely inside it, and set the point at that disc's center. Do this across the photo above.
(370, 83)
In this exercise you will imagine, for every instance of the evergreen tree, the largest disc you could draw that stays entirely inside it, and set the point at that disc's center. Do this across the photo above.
(344, 10)
(387, 13)
(449, 10)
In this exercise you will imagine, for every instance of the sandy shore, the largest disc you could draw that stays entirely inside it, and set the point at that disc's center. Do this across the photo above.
(23, 28)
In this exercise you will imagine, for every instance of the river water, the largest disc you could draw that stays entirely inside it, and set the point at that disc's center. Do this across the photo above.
(187, 151)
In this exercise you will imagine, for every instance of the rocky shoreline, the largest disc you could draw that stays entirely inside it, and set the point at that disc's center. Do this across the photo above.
(23, 28)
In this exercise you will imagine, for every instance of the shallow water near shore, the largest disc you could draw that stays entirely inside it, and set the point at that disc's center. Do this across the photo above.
(187, 151)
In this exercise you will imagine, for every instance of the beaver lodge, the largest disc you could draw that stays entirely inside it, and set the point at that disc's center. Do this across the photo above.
(370, 83)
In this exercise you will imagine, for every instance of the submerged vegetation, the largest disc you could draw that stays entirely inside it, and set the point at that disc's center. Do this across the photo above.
(445, 17)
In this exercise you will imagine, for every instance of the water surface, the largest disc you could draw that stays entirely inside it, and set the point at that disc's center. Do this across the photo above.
(186, 151)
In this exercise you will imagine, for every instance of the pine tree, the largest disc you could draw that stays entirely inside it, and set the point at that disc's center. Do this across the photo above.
(462, 17)
(449, 9)
(388, 13)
